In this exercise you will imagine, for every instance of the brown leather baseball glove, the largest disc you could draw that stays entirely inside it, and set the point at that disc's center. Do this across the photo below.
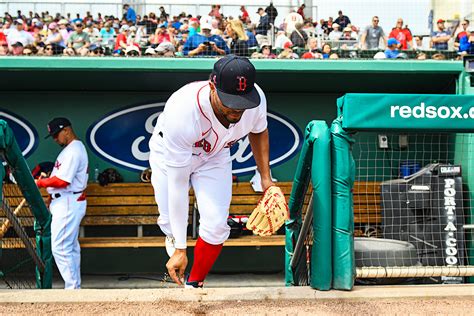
(270, 214)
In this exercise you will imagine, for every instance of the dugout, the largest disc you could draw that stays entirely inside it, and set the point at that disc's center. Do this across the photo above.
(90, 89)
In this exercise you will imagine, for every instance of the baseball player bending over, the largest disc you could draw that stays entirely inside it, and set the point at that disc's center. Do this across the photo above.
(191, 146)
(66, 187)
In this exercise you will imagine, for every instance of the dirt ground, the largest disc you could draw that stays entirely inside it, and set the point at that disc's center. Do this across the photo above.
(440, 306)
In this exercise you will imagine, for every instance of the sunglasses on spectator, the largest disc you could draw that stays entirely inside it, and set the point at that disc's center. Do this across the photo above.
(48, 48)
(132, 54)
(375, 20)
(463, 23)
(79, 25)
(97, 51)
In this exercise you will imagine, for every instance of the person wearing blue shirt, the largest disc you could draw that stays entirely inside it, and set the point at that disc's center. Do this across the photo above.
(252, 41)
(205, 44)
(130, 14)
(441, 37)
(466, 43)
(392, 51)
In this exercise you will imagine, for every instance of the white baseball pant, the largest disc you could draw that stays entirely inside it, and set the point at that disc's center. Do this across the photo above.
(212, 184)
(67, 214)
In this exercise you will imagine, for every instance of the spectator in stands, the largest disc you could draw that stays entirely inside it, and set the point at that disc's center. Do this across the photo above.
(132, 51)
(313, 45)
(392, 48)
(342, 20)
(266, 51)
(264, 23)
(438, 56)
(17, 49)
(441, 37)
(461, 34)
(3, 38)
(93, 32)
(95, 50)
(107, 34)
(150, 25)
(165, 49)
(466, 44)
(7, 27)
(336, 34)
(121, 41)
(3, 49)
(252, 42)
(77, 19)
(326, 51)
(281, 39)
(161, 35)
(300, 11)
(55, 39)
(347, 35)
(299, 37)
(19, 35)
(372, 35)
(130, 14)
(205, 44)
(29, 50)
(63, 29)
(79, 41)
(288, 52)
(238, 38)
(290, 21)
(245, 18)
(163, 14)
(402, 35)
(272, 13)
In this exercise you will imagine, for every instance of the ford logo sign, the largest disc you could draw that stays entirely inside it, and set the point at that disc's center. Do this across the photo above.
(25, 134)
(122, 138)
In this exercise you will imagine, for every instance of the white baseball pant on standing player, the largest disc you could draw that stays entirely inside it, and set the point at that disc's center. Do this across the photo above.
(68, 207)
(200, 155)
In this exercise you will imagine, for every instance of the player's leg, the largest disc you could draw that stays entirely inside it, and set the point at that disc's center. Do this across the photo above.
(79, 211)
(64, 233)
(213, 188)
(159, 180)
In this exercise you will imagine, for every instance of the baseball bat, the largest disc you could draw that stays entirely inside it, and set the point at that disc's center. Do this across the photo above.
(6, 225)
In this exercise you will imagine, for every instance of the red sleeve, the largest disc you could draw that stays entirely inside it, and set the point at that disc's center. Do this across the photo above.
(409, 36)
(53, 182)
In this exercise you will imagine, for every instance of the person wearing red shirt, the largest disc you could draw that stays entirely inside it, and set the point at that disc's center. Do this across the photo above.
(301, 11)
(402, 35)
(245, 18)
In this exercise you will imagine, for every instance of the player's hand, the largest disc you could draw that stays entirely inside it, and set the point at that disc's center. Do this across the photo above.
(266, 183)
(177, 265)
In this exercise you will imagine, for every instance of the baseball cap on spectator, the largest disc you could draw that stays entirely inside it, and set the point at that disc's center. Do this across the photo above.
(392, 41)
(380, 55)
(288, 45)
(34, 20)
(307, 55)
(347, 29)
(206, 26)
(89, 23)
(17, 44)
(165, 47)
(18, 21)
(124, 28)
(56, 125)
(150, 51)
(234, 78)
(133, 28)
(116, 25)
(53, 26)
(131, 48)
(440, 21)
(162, 25)
(335, 25)
(63, 22)
(265, 45)
(78, 23)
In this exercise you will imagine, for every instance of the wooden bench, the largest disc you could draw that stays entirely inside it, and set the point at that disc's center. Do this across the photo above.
(132, 205)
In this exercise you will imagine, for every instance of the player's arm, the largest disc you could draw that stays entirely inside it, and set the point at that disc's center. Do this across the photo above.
(260, 145)
(52, 182)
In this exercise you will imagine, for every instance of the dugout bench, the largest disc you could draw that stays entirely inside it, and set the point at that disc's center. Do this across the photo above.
(121, 215)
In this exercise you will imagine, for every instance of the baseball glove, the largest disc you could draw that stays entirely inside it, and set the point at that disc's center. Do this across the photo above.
(270, 214)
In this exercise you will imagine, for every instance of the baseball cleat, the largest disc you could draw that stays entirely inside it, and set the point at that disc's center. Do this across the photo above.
(169, 245)
(193, 284)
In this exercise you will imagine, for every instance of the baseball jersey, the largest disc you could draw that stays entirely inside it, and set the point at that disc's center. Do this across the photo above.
(71, 166)
(188, 126)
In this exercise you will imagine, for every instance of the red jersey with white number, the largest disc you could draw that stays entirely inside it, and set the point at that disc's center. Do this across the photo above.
(188, 126)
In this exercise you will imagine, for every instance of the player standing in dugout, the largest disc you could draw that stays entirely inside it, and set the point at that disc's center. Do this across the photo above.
(190, 146)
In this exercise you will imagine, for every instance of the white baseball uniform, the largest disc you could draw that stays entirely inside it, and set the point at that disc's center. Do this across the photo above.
(189, 146)
(67, 208)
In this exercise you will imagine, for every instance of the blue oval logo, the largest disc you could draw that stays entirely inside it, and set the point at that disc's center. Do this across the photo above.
(122, 138)
(25, 134)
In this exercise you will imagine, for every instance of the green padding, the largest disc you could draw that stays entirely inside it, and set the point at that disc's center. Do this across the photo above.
(402, 112)
(314, 162)
(295, 204)
(22, 174)
(321, 257)
(343, 174)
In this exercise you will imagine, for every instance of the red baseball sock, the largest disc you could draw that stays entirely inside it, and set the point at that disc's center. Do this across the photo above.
(204, 257)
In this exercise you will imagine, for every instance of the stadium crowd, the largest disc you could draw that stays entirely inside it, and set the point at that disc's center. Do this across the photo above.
(184, 35)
